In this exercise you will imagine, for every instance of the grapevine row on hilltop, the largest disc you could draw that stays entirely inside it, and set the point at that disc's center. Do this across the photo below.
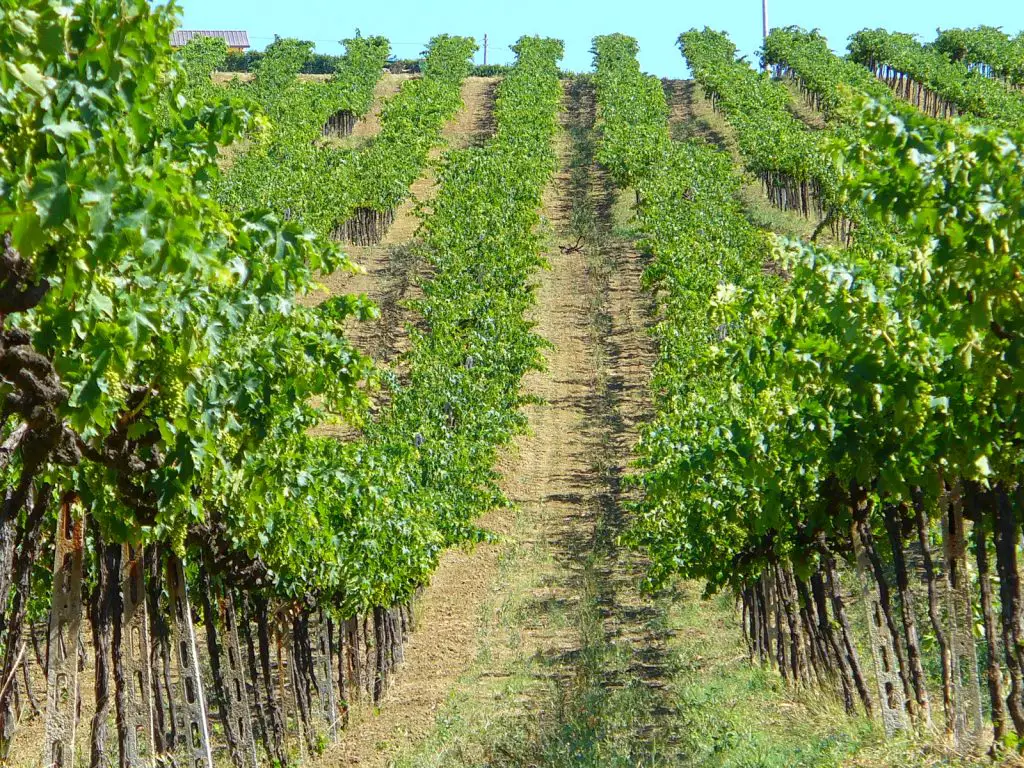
(777, 147)
(435, 445)
(985, 49)
(350, 194)
(789, 158)
(934, 83)
(829, 82)
(377, 179)
(285, 166)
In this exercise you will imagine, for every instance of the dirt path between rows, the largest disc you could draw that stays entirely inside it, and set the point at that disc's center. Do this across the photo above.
(608, 692)
(369, 125)
(520, 638)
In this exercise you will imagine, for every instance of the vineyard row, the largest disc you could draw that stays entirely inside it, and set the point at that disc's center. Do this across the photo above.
(164, 389)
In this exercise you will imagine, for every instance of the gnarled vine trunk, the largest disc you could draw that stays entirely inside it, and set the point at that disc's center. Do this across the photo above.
(893, 516)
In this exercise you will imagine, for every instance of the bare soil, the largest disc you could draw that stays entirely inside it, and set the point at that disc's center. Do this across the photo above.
(565, 479)
(387, 86)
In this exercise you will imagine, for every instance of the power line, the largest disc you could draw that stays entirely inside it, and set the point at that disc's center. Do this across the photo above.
(422, 44)
(319, 40)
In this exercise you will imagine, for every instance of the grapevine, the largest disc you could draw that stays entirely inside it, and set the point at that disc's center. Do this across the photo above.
(933, 82)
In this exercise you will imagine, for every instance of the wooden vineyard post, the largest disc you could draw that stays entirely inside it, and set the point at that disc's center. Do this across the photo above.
(236, 699)
(960, 617)
(288, 680)
(344, 675)
(890, 687)
(324, 674)
(65, 626)
(332, 693)
(192, 727)
(133, 674)
(340, 124)
(296, 706)
(275, 723)
(287, 706)
(369, 654)
(396, 623)
(8, 534)
(354, 658)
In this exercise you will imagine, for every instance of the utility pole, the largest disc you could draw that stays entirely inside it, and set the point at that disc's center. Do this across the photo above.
(485, 45)
(764, 26)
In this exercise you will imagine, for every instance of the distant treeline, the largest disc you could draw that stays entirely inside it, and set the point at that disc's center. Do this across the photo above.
(246, 61)
(325, 64)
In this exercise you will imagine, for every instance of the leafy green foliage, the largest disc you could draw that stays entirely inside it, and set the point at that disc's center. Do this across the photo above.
(987, 49)
(791, 160)
(436, 444)
(972, 93)
(379, 177)
(793, 378)
(157, 296)
(632, 111)
(291, 171)
(194, 372)
(248, 61)
(699, 241)
(201, 57)
(388, 504)
(771, 138)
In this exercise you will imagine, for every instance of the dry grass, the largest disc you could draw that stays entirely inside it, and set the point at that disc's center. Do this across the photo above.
(220, 78)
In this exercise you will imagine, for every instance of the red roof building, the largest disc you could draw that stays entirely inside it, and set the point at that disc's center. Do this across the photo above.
(237, 40)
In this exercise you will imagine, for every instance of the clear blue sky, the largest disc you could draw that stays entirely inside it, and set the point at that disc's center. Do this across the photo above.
(409, 24)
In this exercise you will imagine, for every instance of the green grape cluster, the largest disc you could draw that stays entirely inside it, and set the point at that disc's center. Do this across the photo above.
(115, 383)
(172, 380)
